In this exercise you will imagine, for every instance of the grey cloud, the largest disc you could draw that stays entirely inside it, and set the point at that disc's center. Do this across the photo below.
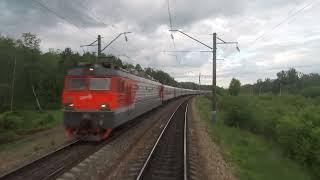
(31, 16)
(241, 21)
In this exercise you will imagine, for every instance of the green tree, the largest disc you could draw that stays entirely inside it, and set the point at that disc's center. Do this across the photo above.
(30, 41)
(138, 67)
(234, 87)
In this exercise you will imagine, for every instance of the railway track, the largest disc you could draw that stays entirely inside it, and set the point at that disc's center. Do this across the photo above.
(168, 157)
(54, 164)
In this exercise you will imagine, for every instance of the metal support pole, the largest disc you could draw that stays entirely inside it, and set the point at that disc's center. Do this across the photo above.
(214, 61)
(115, 39)
(99, 46)
(12, 84)
(199, 83)
(214, 80)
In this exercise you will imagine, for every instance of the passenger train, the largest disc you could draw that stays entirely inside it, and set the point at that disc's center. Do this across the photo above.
(97, 99)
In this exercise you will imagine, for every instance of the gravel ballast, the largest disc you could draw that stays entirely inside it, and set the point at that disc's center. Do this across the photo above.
(210, 163)
(114, 160)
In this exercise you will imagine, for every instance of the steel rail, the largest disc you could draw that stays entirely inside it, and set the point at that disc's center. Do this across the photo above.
(139, 177)
(43, 157)
(53, 174)
(185, 173)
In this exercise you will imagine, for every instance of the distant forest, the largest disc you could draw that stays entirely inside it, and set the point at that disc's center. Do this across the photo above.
(40, 74)
(287, 82)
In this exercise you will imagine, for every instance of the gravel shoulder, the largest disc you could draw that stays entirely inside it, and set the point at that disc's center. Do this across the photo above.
(211, 163)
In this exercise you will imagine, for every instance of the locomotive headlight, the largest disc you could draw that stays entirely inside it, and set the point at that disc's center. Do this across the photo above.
(69, 106)
(104, 107)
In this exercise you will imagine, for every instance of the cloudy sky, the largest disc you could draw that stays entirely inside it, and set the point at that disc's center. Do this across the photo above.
(272, 35)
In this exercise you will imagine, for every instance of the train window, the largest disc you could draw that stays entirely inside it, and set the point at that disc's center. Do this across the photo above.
(99, 84)
(76, 83)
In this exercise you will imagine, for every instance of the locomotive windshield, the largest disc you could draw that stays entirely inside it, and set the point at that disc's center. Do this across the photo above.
(76, 83)
(99, 83)
(88, 83)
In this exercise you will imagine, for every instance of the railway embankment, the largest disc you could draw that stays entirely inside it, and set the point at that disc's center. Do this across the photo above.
(211, 161)
(252, 155)
(31, 146)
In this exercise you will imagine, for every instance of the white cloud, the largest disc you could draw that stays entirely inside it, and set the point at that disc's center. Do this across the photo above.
(294, 43)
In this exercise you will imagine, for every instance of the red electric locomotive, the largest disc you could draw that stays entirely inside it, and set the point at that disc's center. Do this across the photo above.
(97, 99)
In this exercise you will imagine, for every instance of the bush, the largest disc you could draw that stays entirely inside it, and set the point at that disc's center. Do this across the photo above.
(10, 121)
(299, 135)
(23, 123)
(45, 120)
(291, 121)
(238, 112)
(311, 92)
(7, 136)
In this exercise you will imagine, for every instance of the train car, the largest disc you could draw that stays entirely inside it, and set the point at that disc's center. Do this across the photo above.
(168, 92)
(97, 99)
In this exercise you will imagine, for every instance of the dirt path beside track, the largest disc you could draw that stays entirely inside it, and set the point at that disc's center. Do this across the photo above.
(210, 160)
(32, 147)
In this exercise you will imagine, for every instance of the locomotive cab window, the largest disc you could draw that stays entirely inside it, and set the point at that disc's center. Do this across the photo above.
(76, 84)
(99, 84)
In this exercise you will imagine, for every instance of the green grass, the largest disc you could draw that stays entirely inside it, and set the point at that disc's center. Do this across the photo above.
(14, 145)
(16, 125)
(254, 157)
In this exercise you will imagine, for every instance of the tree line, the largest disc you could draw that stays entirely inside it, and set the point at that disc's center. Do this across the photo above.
(287, 82)
(34, 79)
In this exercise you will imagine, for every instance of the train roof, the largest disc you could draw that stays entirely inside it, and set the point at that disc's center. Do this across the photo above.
(99, 70)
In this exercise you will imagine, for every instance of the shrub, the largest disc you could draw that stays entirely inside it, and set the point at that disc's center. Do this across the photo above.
(238, 111)
(7, 136)
(300, 139)
(312, 92)
(291, 121)
(10, 121)
(45, 120)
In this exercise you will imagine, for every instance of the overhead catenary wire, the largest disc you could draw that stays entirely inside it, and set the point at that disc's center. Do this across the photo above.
(97, 19)
(51, 10)
(44, 6)
(100, 21)
(171, 27)
(282, 22)
(169, 14)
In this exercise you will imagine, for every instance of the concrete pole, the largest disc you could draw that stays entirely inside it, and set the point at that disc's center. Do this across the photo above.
(199, 83)
(214, 81)
(12, 84)
(99, 46)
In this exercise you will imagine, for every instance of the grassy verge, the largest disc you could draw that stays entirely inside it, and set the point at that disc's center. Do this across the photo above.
(254, 156)
(16, 125)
